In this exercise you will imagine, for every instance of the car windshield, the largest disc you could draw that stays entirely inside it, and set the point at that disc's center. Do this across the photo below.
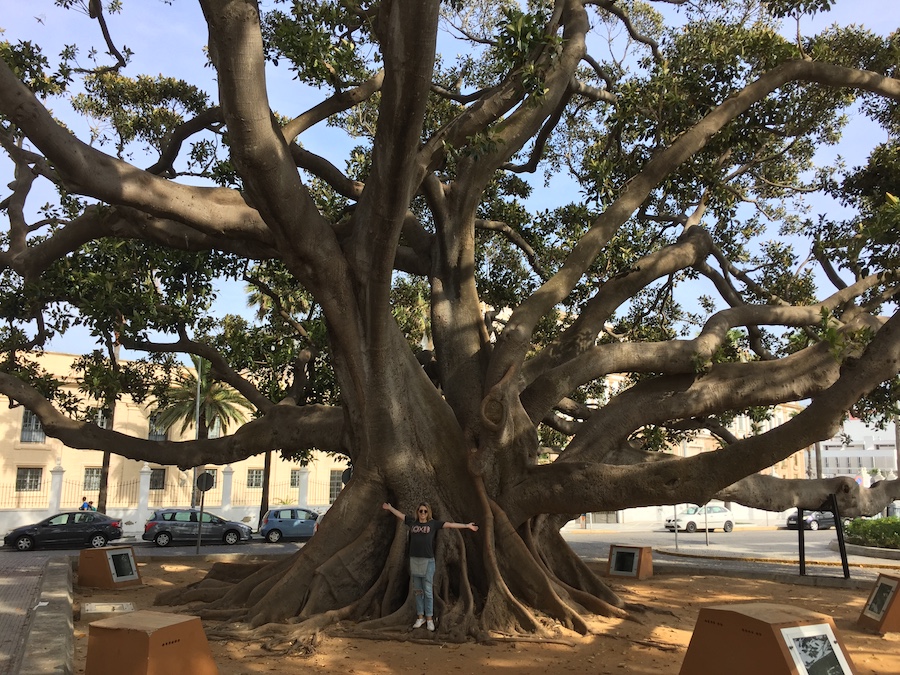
(689, 511)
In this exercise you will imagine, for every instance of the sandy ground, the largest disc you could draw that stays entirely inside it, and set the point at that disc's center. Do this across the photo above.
(656, 645)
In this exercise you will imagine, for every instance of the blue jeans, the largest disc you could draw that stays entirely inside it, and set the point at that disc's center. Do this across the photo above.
(423, 590)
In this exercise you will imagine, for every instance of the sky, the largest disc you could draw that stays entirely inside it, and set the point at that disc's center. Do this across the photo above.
(170, 39)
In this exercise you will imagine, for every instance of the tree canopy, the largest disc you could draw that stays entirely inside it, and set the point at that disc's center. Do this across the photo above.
(528, 199)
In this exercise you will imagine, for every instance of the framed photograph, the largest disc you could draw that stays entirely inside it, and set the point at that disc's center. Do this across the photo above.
(815, 650)
(880, 598)
(624, 560)
(121, 565)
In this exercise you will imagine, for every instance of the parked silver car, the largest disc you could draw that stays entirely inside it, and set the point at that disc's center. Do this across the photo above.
(288, 522)
(169, 525)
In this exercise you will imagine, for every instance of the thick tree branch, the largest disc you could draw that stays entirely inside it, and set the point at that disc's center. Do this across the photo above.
(573, 486)
(304, 427)
(516, 339)
(84, 170)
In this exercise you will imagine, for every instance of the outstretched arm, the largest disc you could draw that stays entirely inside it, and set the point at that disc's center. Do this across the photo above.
(388, 507)
(462, 526)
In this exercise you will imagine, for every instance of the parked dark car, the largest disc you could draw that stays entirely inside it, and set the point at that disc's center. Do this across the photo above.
(71, 528)
(812, 520)
(169, 525)
(288, 522)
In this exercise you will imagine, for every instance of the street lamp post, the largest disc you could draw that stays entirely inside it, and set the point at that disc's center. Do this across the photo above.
(196, 432)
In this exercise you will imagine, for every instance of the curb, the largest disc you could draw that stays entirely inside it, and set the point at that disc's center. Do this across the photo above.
(50, 637)
(871, 552)
(781, 577)
(788, 561)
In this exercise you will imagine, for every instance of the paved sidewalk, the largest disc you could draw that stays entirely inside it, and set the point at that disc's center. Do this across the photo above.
(21, 577)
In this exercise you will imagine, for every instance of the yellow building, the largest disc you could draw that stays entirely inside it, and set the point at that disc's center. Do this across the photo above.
(29, 459)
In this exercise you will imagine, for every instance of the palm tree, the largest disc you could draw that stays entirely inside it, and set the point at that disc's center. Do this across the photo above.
(202, 405)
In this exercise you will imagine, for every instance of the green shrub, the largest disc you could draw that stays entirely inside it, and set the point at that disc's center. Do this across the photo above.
(880, 532)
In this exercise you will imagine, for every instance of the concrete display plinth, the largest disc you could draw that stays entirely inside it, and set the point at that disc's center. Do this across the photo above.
(149, 643)
(108, 567)
(630, 561)
(881, 613)
(754, 638)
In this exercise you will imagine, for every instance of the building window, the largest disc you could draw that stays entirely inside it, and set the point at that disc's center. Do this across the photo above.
(215, 431)
(295, 478)
(32, 431)
(215, 476)
(91, 479)
(157, 479)
(334, 485)
(254, 478)
(28, 480)
(102, 416)
(157, 433)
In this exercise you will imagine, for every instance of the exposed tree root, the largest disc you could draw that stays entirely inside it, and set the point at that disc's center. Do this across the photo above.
(655, 644)
(503, 585)
(398, 636)
(535, 639)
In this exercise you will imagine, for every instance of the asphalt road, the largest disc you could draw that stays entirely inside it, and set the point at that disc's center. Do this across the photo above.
(745, 543)
(590, 544)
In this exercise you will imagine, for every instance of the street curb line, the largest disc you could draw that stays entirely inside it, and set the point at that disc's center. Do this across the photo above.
(50, 637)
(780, 577)
(779, 561)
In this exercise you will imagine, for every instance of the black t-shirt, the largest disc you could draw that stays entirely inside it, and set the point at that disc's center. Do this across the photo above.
(421, 536)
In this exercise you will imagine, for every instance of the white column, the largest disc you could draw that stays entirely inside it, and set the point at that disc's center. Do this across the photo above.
(143, 507)
(303, 487)
(56, 481)
(227, 476)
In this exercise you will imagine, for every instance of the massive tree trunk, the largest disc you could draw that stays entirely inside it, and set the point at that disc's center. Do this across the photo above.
(408, 447)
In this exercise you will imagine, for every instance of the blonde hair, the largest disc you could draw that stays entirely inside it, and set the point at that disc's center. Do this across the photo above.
(427, 507)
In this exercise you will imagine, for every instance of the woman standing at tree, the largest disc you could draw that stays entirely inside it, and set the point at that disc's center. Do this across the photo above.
(422, 533)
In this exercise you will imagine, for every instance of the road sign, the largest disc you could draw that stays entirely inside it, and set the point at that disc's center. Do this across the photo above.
(205, 481)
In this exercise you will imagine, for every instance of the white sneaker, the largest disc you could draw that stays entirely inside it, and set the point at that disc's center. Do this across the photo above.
(421, 622)
(430, 625)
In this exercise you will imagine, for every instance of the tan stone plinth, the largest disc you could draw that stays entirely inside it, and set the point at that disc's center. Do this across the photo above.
(630, 561)
(108, 567)
(881, 613)
(149, 643)
(760, 637)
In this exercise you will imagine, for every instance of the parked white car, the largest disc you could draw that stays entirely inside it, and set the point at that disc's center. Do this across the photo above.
(696, 518)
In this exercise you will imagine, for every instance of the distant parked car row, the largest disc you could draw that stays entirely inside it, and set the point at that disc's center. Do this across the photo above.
(164, 527)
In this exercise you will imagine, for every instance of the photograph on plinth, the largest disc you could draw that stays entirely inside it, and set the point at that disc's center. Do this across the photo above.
(881, 613)
(881, 597)
(815, 650)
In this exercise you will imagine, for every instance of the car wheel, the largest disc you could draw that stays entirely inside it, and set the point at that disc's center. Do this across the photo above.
(97, 541)
(24, 543)
(163, 539)
(273, 536)
(728, 526)
(814, 525)
(691, 527)
(231, 537)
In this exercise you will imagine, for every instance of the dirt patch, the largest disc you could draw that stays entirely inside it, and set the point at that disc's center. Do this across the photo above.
(655, 646)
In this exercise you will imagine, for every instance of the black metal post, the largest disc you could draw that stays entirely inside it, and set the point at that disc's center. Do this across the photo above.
(801, 542)
(839, 526)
